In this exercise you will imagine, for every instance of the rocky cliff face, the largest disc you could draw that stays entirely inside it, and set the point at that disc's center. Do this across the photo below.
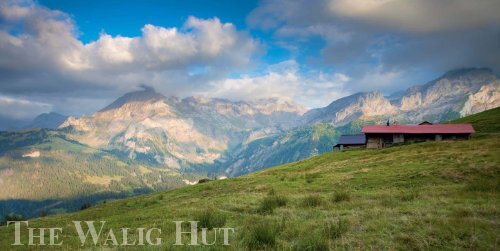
(488, 97)
(173, 132)
(456, 93)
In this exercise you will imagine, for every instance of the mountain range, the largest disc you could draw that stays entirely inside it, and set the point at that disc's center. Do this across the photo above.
(233, 138)
(151, 135)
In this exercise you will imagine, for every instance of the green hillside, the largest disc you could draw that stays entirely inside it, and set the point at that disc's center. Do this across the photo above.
(67, 174)
(484, 122)
(431, 196)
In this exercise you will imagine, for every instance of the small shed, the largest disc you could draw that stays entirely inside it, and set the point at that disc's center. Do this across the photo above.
(350, 141)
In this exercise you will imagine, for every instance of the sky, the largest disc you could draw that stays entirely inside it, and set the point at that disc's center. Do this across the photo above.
(75, 57)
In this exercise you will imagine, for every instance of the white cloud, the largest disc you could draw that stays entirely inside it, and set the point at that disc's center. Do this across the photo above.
(283, 80)
(269, 85)
(39, 44)
(204, 42)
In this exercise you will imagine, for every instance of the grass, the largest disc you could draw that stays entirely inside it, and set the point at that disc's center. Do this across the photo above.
(335, 229)
(271, 202)
(340, 196)
(312, 242)
(426, 196)
(312, 200)
(259, 235)
(210, 219)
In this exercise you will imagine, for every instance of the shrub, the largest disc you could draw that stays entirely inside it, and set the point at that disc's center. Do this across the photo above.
(12, 217)
(85, 206)
(205, 180)
(341, 196)
(312, 201)
(334, 230)
(260, 235)
(270, 202)
(210, 219)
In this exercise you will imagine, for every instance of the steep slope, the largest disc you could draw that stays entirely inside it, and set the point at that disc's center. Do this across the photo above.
(433, 195)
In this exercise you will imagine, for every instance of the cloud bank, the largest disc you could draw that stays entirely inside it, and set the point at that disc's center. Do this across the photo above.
(393, 43)
(42, 44)
(283, 80)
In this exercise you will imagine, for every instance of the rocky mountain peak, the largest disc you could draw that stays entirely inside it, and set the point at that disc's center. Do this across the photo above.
(146, 94)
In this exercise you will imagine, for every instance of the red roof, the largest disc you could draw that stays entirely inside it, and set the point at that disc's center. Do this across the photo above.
(423, 129)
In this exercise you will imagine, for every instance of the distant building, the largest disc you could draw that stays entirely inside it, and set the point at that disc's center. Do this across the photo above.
(350, 141)
(379, 136)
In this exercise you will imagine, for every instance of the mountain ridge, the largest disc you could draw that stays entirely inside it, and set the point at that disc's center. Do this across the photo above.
(202, 130)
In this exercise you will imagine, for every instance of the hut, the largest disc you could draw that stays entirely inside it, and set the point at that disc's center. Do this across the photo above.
(379, 136)
(350, 141)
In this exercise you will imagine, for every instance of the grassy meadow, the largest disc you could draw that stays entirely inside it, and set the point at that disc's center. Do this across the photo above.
(426, 196)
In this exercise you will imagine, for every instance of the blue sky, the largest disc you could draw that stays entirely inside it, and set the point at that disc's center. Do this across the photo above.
(74, 57)
(126, 18)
